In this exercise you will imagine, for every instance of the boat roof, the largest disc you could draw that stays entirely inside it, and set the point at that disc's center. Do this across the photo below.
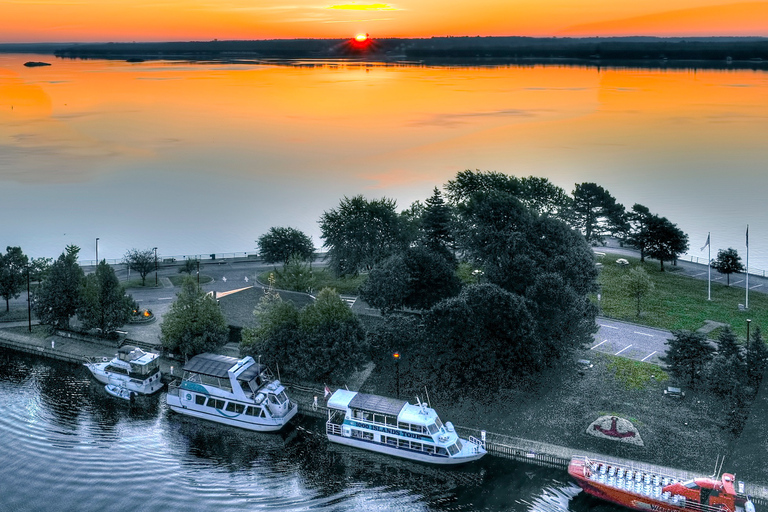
(215, 365)
(418, 415)
(376, 403)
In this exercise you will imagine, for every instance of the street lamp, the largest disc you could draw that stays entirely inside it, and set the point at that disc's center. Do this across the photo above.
(29, 302)
(748, 322)
(155, 249)
(97, 252)
(396, 355)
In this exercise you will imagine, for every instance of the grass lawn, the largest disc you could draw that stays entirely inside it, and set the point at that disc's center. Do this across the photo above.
(324, 278)
(176, 280)
(684, 433)
(15, 315)
(677, 301)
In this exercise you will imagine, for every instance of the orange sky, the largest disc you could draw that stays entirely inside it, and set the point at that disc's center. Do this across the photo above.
(141, 20)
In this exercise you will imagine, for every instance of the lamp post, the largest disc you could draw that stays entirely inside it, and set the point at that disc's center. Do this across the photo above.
(396, 355)
(748, 322)
(155, 249)
(97, 251)
(29, 302)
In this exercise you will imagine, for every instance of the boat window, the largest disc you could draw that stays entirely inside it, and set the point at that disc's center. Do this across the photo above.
(235, 407)
(391, 441)
(417, 428)
(404, 426)
(367, 416)
(441, 451)
(200, 399)
(391, 420)
(459, 445)
(453, 450)
(282, 397)
(429, 448)
(416, 446)
(252, 411)
(403, 443)
(432, 428)
(357, 414)
(438, 423)
(378, 418)
(691, 484)
(216, 403)
(116, 369)
(272, 399)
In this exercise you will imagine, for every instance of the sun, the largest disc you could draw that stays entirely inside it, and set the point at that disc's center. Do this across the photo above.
(361, 38)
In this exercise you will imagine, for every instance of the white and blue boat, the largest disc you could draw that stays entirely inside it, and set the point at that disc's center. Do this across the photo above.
(395, 427)
(237, 392)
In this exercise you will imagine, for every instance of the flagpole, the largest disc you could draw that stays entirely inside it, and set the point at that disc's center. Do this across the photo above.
(746, 301)
(709, 269)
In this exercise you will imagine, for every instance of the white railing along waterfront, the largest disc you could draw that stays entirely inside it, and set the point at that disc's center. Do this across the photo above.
(177, 259)
(703, 261)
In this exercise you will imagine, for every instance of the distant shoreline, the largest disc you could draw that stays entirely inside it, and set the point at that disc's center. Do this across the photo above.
(720, 53)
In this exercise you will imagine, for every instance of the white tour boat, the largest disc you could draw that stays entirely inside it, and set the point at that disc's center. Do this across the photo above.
(395, 427)
(131, 369)
(235, 392)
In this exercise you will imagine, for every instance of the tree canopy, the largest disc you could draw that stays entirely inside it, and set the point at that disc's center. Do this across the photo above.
(361, 232)
(13, 265)
(279, 244)
(637, 284)
(665, 240)
(417, 278)
(103, 302)
(142, 261)
(728, 262)
(596, 212)
(687, 355)
(58, 296)
(194, 324)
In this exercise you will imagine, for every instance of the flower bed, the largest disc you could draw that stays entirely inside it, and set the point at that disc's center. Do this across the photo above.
(142, 316)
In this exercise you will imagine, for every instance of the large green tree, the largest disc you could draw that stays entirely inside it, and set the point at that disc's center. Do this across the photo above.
(596, 212)
(436, 224)
(58, 295)
(13, 268)
(687, 355)
(637, 235)
(142, 261)
(417, 278)
(728, 262)
(279, 244)
(637, 284)
(103, 302)
(323, 342)
(194, 324)
(360, 233)
(756, 358)
(665, 240)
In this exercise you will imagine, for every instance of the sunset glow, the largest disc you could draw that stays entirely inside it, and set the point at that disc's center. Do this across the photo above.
(361, 37)
(140, 20)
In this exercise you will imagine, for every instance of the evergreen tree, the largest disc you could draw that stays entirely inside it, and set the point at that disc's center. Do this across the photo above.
(756, 358)
(13, 268)
(436, 225)
(58, 296)
(595, 212)
(665, 240)
(728, 262)
(194, 324)
(688, 353)
(103, 302)
(638, 234)
(728, 345)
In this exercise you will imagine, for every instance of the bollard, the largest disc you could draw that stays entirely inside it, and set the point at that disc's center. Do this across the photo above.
(53, 344)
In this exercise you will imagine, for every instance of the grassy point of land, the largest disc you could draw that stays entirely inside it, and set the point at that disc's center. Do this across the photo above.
(676, 301)
(322, 278)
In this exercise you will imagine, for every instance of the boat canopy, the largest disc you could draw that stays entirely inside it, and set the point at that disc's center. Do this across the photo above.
(377, 404)
(215, 365)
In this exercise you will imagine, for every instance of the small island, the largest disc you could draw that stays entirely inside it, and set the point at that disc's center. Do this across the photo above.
(34, 64)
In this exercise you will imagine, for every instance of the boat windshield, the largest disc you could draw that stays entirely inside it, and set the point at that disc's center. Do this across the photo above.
(432, 428)
(454, 449)
(438, 423)
(278, 399)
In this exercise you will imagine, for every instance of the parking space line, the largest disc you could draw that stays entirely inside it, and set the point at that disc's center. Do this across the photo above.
(598, 344)
(645, 334)
(756, 286)
(608, 326)
(622, 350)
(649, 355)
(739, 281)
(700, 274)
(165, 298)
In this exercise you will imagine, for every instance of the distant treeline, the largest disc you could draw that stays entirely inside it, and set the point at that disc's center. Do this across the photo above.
(729, 50)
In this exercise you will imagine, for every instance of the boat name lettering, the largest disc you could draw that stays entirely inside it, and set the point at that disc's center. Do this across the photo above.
(386, 430)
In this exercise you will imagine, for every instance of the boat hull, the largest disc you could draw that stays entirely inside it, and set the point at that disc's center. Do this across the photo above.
(98, 372)
(251, 423)
(404, 454)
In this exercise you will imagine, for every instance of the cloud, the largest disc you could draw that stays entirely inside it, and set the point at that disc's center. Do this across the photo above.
(460, 118)
(363, 7)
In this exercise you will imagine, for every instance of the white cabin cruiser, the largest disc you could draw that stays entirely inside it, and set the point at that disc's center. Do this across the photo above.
(241, 393)
(395, 427)
(131, 369)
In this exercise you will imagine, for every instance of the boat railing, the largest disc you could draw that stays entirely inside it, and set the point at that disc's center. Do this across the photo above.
(645, 468)
(477, 442)
(173, 388)
(333, 425)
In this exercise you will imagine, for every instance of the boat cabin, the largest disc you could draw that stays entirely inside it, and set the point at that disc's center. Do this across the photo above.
(719, 494)
(134, 362)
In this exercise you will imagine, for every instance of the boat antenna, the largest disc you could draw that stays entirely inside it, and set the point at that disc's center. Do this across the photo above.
(721, 466)
(717, 460)
(277, 364)
(427, 393)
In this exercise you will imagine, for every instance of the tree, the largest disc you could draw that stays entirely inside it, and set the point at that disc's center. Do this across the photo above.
(595, 212)
(322, 342)
(296, 275)
(637, 283)
(142, 262)
(728, 345)
(39, 268)
(360, 233)
(279, 245)
(665, 240)
(13, 265)
(436, 223)
(103, 302)
(637, 237)
(418, 278)
(190, 265)
(58, 296)
(728, 262)
(194, 324)
(724, 376)
(688, 353)
(756, 358)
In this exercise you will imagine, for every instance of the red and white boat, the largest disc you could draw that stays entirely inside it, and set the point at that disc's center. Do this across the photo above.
(642, 489)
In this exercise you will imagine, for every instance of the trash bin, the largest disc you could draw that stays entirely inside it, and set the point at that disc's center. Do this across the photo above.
(213, 256)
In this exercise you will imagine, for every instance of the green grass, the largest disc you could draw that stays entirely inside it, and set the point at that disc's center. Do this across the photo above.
(324, 278)
(635, 374)
(677, 301)
(178, 279)
(14, 315)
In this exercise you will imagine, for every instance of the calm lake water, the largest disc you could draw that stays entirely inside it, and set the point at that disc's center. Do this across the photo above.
(197, 158)
(67, 445)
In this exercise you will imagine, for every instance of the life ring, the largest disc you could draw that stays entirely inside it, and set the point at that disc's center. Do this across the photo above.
(104, 359)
